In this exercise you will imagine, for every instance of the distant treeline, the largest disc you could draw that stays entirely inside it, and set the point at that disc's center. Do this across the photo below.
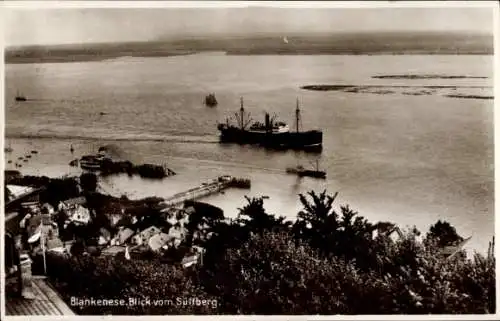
(302, 44)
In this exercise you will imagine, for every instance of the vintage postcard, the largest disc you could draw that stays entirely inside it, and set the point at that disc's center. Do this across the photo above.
(321, 160)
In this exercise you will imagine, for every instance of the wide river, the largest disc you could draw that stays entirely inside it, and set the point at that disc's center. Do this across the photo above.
(392, 155)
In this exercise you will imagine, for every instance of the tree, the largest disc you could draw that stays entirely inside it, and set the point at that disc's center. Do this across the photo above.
(202, 221)
(443, 234)
(113, 278)
(271, 274)
(77, 248)
(58, 190)
(88, 182)
(255, 219)
(345, 235)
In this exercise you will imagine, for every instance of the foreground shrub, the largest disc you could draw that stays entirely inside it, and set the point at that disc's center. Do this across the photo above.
(270, 274)
(163, 289)
(328, 262)
(274, 274)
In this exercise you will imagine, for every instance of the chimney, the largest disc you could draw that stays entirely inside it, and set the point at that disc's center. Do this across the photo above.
(26, 282)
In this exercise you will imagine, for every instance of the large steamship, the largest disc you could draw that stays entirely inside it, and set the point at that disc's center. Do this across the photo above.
(272, 133)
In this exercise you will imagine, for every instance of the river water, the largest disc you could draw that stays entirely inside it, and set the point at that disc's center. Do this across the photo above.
(391, 155)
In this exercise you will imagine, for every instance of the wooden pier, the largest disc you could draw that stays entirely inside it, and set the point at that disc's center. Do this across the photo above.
(206, 189)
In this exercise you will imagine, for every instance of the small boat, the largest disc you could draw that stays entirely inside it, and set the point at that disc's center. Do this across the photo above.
(211, 101)
(301, 171)
(92, 162)
(20, 97)
(8, 149)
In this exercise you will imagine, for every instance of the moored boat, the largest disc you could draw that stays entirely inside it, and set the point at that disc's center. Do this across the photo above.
(92, 162)
(20, 97)
(210, 100)
(303, 172)
(8, 149)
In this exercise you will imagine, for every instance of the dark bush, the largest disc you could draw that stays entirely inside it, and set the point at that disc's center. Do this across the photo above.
(117, 278)
(88, 182)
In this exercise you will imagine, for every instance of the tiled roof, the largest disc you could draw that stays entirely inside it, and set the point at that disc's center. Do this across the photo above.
(17, 190)
(12, 223)
(113, 250)
(159, 240)
(54, 243)
(46, 302)
(76, 201)
(124, 235)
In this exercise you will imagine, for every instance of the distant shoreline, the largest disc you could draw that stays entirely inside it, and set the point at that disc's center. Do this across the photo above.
(90, 58)
(374, 43)
(14, 60)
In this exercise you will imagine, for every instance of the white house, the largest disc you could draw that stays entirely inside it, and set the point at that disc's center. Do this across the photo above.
(16, 191)
(122, 236)
(75, 211)
(104, 237)
(72, 202)
(79, 215)
(190, 260)
(156, 242)
(144, 236)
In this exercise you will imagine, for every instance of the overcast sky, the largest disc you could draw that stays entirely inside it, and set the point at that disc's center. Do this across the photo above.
(60, 26)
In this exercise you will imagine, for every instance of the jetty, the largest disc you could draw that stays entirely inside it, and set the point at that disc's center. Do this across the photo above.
(213, 187)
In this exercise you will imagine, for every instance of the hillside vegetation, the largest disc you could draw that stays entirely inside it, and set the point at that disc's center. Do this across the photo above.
(329, 261)
(298, 44)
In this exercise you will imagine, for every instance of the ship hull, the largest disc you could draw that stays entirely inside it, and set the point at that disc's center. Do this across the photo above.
(308, 140)
(311, 173)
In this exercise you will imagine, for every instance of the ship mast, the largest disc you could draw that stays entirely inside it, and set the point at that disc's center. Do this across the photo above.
(242, 111)
(297, 116)
(240, 118)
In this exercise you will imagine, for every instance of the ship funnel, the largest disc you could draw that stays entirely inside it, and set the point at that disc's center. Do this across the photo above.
(268, 122)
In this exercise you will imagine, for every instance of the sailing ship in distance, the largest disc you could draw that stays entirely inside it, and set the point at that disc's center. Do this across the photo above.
(210, 100)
